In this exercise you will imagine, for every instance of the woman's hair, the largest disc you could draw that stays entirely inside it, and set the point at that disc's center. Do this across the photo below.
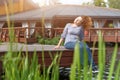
(86, 22)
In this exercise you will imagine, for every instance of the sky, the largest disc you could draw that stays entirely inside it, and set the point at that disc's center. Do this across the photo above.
(41, 2)
(65, 1)
(75, 1)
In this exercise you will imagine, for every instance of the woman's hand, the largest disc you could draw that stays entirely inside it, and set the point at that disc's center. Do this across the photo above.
(56, 47)
(59, 43)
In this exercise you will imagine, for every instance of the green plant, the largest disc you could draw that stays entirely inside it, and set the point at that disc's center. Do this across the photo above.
(111, 25)
(48, 41)
(20, 66)
(86, 74)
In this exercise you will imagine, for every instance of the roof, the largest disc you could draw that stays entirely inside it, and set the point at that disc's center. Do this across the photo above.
(65, 10)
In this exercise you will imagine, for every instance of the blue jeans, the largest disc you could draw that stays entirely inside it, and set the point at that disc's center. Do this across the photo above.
(71, 45)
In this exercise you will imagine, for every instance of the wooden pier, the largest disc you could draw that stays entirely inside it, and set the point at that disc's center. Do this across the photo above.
(65, 60)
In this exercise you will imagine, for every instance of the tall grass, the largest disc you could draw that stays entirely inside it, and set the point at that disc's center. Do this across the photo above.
(86, 73)
(20, 66)
(101, 56)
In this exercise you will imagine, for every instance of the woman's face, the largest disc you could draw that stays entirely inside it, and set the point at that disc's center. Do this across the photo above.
(78, 21)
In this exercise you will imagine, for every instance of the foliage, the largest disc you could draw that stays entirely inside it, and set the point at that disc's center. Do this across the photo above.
(87, 3)
(17, 67)
(111, 25)
(0, 42)
(53, 2)
(114, 4)
(100, 3)
(48, 41)
(20, 66)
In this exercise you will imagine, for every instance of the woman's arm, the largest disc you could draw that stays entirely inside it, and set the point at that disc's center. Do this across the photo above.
(63, 35)
(59, 43)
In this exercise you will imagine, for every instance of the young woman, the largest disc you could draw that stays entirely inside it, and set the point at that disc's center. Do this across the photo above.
(74, 32)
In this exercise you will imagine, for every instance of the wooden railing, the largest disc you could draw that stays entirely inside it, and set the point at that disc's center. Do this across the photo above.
(108, 34)
(25, 35)
(30, 34)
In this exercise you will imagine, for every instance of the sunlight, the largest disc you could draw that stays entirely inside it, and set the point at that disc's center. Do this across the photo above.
(41, 2)
(74, 1)
(46, 2)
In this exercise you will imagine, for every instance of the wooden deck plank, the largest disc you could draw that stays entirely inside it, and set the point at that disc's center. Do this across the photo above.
(4, 47)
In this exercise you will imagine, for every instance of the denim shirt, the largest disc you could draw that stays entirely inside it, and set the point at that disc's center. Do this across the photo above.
(72, 34)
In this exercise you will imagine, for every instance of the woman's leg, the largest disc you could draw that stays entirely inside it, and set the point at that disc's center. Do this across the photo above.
(90, 58)
(71, 45)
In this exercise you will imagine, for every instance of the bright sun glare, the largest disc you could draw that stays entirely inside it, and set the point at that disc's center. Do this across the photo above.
(40, 2)
(46, 2)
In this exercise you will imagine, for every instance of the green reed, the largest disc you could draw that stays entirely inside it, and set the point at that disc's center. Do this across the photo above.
(86, 74)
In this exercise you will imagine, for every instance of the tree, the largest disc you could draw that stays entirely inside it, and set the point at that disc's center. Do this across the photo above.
(114, 4)
(88, 3)
(53, 2)
(100, 3)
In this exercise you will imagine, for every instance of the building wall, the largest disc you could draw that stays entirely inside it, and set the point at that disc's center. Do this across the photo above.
(61, 21)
